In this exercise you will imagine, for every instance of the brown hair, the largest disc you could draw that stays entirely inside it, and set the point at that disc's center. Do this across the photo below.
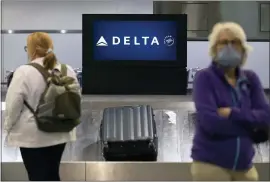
(39, 44)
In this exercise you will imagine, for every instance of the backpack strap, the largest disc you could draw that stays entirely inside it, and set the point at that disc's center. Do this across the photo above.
(45, 74)
(41, 70)
(64, 69)
(30, 108)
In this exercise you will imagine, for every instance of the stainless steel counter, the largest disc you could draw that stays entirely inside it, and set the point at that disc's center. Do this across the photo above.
(108, 171)
(175, 131)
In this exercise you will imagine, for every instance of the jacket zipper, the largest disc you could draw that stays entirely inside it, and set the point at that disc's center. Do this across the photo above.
(238, 142)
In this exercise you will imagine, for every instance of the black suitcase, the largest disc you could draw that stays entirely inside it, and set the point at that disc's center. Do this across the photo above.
(129, 134)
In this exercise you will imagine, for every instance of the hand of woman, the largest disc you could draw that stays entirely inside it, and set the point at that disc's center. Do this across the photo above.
(224, 112)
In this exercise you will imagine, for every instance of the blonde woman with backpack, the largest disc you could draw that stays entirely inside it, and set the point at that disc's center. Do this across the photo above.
(42, 109)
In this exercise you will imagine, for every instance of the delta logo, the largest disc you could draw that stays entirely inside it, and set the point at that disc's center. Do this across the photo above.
(136, 41)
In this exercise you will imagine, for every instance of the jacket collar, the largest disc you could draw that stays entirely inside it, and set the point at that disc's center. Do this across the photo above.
(241, 77)
(38, 60)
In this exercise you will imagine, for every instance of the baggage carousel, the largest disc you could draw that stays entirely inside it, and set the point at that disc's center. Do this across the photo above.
(82, 160)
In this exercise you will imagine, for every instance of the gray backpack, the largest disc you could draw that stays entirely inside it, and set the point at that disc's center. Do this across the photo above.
(59, 109)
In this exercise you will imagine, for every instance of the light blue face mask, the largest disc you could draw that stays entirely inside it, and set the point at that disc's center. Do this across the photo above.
(229, 57)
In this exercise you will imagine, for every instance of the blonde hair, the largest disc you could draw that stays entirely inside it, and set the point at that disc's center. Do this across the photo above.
(235, 29)
(40, 44)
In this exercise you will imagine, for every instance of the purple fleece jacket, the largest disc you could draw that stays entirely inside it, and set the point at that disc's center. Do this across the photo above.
(226, 141)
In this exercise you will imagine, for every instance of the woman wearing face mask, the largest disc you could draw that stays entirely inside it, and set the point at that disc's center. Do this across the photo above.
(230, 104)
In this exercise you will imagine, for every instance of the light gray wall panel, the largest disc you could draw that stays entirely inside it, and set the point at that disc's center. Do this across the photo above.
(35, 15)
(68, 48)
(258, 59)
(265, 17)
(2, 74)
(247, 14)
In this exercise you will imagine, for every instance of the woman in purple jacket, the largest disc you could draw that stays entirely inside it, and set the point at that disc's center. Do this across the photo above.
(231, 106)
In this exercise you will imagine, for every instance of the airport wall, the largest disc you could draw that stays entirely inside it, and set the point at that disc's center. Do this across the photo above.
(68, 48)
(67, 15)
(64, 14)
(258, 60)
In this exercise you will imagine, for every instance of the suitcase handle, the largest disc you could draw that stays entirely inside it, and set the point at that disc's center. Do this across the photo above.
(131, 106)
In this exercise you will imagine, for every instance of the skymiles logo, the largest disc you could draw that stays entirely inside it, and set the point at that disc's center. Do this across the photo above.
(137, 41)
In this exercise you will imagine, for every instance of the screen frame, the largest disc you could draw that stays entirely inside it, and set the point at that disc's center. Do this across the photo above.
(88, 39)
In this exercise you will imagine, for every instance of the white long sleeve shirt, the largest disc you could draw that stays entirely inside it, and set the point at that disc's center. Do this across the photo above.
(28, 84)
